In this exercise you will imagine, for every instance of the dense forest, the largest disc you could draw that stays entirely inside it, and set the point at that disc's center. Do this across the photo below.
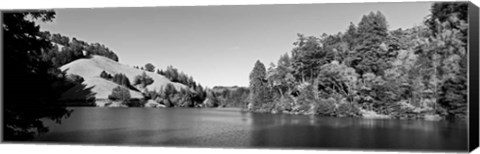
(63, 50)
(403, 73)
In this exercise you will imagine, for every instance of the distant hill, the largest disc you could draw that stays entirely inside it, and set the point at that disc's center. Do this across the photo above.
(234, 96)
(223, 88)
(100, 88)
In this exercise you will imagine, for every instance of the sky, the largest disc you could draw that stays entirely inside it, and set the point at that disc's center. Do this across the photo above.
(218, 45)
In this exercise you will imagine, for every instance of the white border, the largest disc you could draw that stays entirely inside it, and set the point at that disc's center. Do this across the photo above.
(45, 4)
(77, 149)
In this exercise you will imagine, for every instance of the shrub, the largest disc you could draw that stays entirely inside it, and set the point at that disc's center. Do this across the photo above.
(149, 67)
(105, 75)
(75, 79)
(185, 98)
(286, 103)
(144, 80)
(120, 93)
(121, 79)
(211, 102)
(347, 109)
(305, 99)
(324, 107)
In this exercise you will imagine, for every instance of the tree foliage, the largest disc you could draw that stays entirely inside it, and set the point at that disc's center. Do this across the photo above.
(27, 73)
(120, 93)
(259, 92)
(65, 50)
(403, 73)
(121, 79)
(149, 67)
(143, 80)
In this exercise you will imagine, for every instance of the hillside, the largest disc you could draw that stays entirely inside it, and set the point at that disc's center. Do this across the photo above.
(90, 69)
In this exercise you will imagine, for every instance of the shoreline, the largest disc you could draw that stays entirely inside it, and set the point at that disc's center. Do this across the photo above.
(365, 114)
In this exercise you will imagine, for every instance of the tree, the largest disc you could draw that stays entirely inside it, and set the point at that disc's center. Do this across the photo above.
(308, 56)
(370, 57)
(105, 75)
(280, 78)
(444, 12)
(121, 79)
(120, 93)
(259, 92)
(149, 67)
(26, 73)
(74, 49)
(351, 36)
(167, 94)
(143, 80)
(211, 99)
(447, 53)
(337, 78)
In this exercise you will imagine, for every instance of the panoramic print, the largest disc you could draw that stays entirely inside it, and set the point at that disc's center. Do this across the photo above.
(387, 76)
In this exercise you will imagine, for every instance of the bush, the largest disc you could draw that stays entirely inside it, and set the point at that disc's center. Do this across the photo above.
(185, 98)
(286, 103)
(305, 100)
(120, 93)
(143, 80)
(149, 67)
(121, 79)
(347, 109)
(75, 79)
(324, 107)
(211, 102)
(105, 75)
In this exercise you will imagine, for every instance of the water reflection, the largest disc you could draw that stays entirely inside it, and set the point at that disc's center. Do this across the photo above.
(289, 131)
(231, 128)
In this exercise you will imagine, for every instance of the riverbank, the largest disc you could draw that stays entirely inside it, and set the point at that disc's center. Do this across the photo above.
(360, 112)
(364, 114)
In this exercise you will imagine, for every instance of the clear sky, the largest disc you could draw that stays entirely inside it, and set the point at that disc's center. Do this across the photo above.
(218, 45)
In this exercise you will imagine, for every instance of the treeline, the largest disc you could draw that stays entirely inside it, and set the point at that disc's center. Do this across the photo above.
(411, 73)
(231, 96)
(174, 75)
(65, 50)
(193, 95)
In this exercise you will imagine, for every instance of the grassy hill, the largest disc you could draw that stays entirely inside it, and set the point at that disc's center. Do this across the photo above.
(100, 88)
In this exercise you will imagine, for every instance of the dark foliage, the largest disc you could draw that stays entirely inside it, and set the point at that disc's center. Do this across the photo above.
(149, 67)
(232, 96)
(27, 74)
(64, 50)
(142, 80)
(105, 75)
(120, 93)
(121, 79)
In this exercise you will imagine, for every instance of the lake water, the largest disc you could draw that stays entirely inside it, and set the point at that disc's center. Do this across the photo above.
(232, 128)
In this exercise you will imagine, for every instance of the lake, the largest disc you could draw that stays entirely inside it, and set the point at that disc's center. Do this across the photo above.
(233, 128)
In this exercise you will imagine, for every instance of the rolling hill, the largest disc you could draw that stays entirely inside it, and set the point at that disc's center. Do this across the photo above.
(100, 88)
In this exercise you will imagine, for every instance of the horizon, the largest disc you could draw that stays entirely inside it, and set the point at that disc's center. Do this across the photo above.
(218, 45)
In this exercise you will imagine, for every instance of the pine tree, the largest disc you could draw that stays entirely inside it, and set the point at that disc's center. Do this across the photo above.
(351, 36)
(370, 57)
(258, 85)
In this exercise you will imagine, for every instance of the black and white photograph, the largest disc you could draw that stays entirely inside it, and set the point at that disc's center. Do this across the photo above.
(388, 76)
